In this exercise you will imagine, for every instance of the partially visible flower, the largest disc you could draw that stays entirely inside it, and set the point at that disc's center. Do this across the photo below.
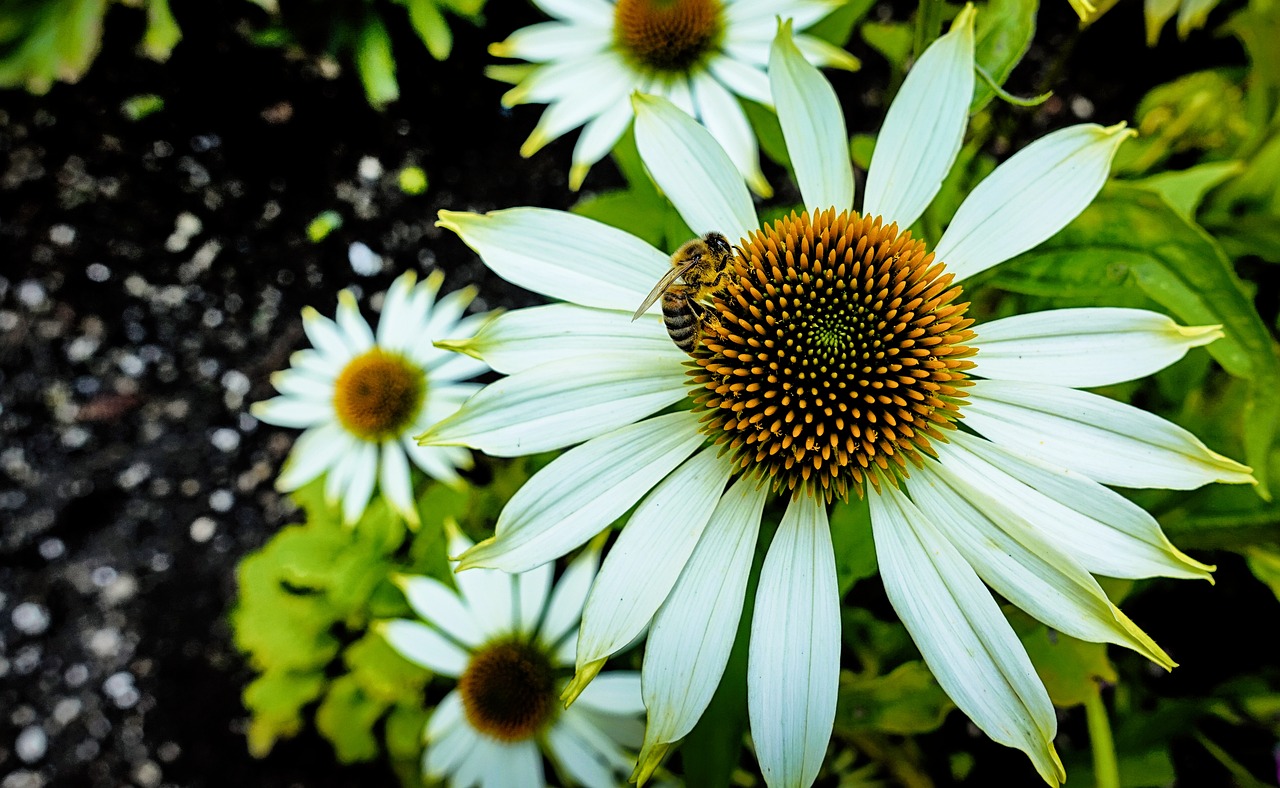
(839, 361)
(509, 641)
(361, 398)
(700, 54)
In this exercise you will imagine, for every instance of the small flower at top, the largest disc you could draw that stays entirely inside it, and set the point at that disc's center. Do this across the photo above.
(362, 397)
(508, 640)
(701, 54)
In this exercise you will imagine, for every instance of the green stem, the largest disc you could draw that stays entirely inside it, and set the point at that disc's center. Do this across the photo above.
(1105, 768)
(928, 26)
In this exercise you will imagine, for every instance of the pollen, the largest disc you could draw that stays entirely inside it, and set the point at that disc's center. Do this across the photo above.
(508, 690)
(839, 354)
(667, 35)
(378, 394)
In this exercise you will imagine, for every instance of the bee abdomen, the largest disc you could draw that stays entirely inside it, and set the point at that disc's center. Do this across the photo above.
(681, 322)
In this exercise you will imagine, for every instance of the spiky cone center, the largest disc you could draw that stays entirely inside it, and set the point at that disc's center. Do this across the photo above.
(379, 394)
(838, 354)
(508, 690)
(669, 36)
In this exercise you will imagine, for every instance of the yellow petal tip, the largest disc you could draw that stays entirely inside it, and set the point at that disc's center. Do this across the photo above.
(581, 679)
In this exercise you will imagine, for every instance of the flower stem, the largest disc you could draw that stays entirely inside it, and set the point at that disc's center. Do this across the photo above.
(1105, 768)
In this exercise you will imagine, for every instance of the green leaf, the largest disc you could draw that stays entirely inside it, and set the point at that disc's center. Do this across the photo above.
(382, 673)
(431, 27)
(1264, 562)
(275, 700)
(854, 548)
(404, 729)
(837, 26)
(162, 31)
(1005, 30)
(641, 215)
(765, 124)
(893, 40)
(1131, 236)
(876, 643)
(346, 718)
(904, 702)
(376, 64)
(1069, 668)
(1185, 189)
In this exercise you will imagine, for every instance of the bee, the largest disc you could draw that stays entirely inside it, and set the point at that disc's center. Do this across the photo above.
(701, 263)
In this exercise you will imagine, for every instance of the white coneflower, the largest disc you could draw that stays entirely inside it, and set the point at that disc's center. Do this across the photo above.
(837, 357)
(361, 398)
(700, 54)
(509, 642)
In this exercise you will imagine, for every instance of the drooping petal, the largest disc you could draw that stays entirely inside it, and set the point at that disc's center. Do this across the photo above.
(598, 137)
(395, 482)
(447, 312)
(525, 338)
(610, 83)
(721, 113)
(314, 452)
(562, 403)
(822, 53)
(760, 17)
(585, 489)
(433, 460)
(424, 646)
(690, 166)
(567, 599)
(964, 638)
(1012, 557)
(569, 80)
(490, 596)
(813, 126)
(562, 256)
(793, 668)
(1107, 441)
(645, 561)
(1033, 195)
(552, 41)
(1105, 532)
(359, 488)
(923, 128)
(1083, 348)
(516, 764)
(396, 314)
(689, 643)
(441, 607)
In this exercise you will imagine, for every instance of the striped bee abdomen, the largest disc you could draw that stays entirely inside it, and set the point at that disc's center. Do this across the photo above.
(680, 320)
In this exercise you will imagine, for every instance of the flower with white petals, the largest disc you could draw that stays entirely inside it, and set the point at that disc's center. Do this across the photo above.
(361, 398)
(700, 54)
(507, 640)
(840, 360)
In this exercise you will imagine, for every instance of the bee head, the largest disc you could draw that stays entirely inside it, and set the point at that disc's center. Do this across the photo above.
(718, 244)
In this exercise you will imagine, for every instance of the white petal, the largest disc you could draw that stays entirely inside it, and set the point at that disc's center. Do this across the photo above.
(1108, 441)
(449, 740)
(553, 41)
(524, 338)
(601, 83)
(326, 337)
(577, 758)
(596, 13)
(394, 480)
(793, 669)
(744, 80)
(1012, 557)
(1083, 348)
(303, 386)
(965, 640)
(1033, 195)
(614, 692)
(923, 129)
(585, 724)
(721, 113)
(359, 488)
(690, 166)
(562, 256)
(562, 403)
(314, 452)
(445, 718)
(567, 600)
(395, 311)
(585, 489)
(513, 765)
(441, 607)
(1105, 532)
(452, 367)
(692, 634)
(802, 13)
(291, 412)
(433, 460)
(532, 588)
(491, 597)
(822, 53)
(445, 315)
(813, 126)
(335, 483)
(598, 138)
(424, 646)
(354, 329)
(645, 561)
(316, 364)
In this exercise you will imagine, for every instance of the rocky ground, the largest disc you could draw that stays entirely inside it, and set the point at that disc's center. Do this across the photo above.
(151, 277)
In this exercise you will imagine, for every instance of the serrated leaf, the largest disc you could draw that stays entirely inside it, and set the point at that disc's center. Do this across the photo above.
(854, 547)
(1132, 236)
(1004, 33)
(275, 700)
(346, 717)
(905, 701)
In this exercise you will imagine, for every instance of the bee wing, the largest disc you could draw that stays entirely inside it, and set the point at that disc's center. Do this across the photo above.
(666, 281)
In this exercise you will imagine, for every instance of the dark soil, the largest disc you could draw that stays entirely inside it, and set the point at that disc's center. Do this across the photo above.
(151, 281)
